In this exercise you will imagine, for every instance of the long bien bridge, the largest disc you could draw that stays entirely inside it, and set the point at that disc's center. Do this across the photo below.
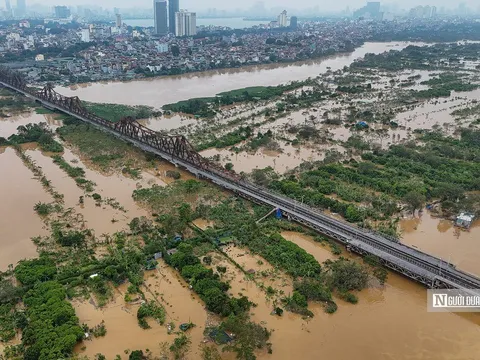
(424, 268)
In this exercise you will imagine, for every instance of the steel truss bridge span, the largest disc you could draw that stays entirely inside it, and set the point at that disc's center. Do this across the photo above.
(419, 266)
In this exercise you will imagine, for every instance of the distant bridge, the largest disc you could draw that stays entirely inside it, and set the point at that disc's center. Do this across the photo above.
(424, 268)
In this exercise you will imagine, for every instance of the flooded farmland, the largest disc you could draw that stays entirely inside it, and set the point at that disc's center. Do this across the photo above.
(18, 221)
(123, 332)
(389, 322)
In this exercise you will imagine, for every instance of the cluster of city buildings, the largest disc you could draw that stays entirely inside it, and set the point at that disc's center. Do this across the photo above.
(15, 11)
(423, 12)
(124, 53)
(167, 10)
(375, 11)
(369, 11)
(170, 19)
(62, 49)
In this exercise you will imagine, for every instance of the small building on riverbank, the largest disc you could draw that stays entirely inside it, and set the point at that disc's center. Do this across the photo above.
(464, 220)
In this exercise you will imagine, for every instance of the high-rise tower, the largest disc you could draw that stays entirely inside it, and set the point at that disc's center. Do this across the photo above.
(186, 23)
(173, 8)
(282, 19)
(160, 17)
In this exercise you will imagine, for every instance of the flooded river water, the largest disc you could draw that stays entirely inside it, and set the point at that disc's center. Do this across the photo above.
(389, 322)
(441, 238)
(18, 221)
(164, 90)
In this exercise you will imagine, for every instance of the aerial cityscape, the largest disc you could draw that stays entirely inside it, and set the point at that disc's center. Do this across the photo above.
(257, 180)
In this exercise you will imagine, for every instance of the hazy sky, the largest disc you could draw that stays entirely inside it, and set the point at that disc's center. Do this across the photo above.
(197, 5)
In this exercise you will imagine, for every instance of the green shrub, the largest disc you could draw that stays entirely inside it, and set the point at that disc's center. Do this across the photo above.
(29, 272)
(150, 309)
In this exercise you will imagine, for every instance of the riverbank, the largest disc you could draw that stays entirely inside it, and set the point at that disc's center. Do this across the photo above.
(157, 92)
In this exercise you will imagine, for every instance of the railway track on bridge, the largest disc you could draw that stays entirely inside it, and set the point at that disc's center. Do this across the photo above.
(419, 266)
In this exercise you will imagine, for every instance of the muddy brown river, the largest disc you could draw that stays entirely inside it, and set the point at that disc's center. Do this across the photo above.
(164, 90)
(390, 322)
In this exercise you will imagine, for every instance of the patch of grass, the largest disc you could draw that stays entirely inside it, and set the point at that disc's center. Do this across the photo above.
(349, 297)
(105, 160)
(162, 200)
(43, 111)
(44, 209)
(134, 173)
(207, 107)
(115, 112)
(101, 148)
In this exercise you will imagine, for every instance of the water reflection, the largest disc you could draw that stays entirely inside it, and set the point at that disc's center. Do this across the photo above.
(8, 126)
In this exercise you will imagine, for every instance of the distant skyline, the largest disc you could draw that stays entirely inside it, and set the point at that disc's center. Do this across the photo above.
(203, 5)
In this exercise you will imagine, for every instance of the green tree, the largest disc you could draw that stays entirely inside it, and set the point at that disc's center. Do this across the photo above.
(9, 294)
(346, 275)
(313, 289)
(52, 330)
(249, 336)
(136, 355)
(414, 200)
(28, 272)
(353, 214)
(196, 272)
(180, 346)
(215, 299)
(185, 212)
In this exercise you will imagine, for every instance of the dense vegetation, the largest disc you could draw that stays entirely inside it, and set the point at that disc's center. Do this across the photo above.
(228, 139)
(36, 133)
(11, 103)
(53, 329)
(50, 329)
(438, 56)
(445, 169)
(115, 112)
(234, 218)
(443, 85)
(100, 148)
(438, 32)
(29, 272)
(207, 107)
(206, 283)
